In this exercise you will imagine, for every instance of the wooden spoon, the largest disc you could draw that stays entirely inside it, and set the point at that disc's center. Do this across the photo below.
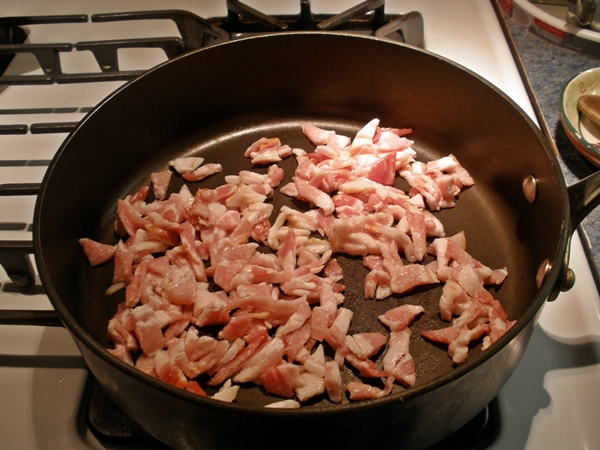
(590, 106)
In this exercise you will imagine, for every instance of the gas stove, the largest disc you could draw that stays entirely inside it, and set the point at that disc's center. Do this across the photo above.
(59, 59)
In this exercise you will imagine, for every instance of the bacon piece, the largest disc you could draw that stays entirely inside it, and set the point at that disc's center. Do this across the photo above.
(311, 194)
(195, 388)
(467, 277)
(365, 345)
(238, 326)
(398, 360)
(275, 174)
(333, 270)
(121, 352)
(316, 135)
(442, 335)
(96, 252)
(287, 252)
(202, 172)
(133, 292)
(383, 170)
(348, 236)
(167, 371)
(321, 319)
(274, 382)
(186, 164)
(288, 379)
(497, 276)
(266, 358)
(401, 317)
(145, 363)
(255, 339)
(311, 385)
(268, 304)
(452, 293)
(179, 285)
(333, 382)
(418, 232)
(336, 334)
(498, 327)
(267, 150)
(377, 284)
(361, 391)
(315, 363)
(458, 348)
(121, 328)
(449, 164)
(284, 404)
(411, 276)
(366, 368)
(231, 353)
(364, 136)
(147, 329)
(296, 320)
(227, 393)
(129, 217)
(160, 183)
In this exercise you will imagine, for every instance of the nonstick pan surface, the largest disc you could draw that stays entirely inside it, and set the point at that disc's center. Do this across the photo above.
(215, 102)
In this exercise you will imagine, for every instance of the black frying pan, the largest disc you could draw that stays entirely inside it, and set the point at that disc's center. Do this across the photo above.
(215, 102)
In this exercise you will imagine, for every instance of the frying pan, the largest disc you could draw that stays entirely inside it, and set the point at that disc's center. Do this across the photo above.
(216, 101)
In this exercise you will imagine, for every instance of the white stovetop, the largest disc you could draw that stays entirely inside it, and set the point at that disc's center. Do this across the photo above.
(551, 402)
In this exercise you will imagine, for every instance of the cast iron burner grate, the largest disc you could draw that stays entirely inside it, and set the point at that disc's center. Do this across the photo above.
(111, 427)
(241, 20)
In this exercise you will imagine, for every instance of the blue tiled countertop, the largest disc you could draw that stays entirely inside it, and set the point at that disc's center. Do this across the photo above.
(549, 67)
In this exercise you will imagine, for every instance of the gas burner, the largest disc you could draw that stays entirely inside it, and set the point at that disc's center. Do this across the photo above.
(368, 16)
(195, 32)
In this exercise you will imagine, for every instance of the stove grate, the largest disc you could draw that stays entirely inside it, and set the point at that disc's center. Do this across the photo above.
(241, 20)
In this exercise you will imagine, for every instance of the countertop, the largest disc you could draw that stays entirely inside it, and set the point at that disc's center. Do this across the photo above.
(549, 67)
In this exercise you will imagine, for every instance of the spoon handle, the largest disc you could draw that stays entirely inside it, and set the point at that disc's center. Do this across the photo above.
(590, 106)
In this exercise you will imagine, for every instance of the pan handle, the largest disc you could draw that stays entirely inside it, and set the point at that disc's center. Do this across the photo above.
(584, 197)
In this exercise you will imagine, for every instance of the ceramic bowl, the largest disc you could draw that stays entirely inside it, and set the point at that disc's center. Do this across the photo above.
(583, 133)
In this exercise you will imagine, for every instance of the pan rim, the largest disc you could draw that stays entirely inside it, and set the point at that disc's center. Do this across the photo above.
(100, 351)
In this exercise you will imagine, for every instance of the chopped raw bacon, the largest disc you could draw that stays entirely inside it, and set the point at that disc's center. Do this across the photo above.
(284, 404)
(160, 183)
(227, 393)
(195, 388)
(266, 358)
(336, 333)
(274, 314)
(267, 150)
(186, 164)
(202, 172)
(401, 317)
(96, 252)
(361, 391)
(333, 382)
(121, 352)
(398, 360)
(167, 371)
(411, 276)
(365, 345)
